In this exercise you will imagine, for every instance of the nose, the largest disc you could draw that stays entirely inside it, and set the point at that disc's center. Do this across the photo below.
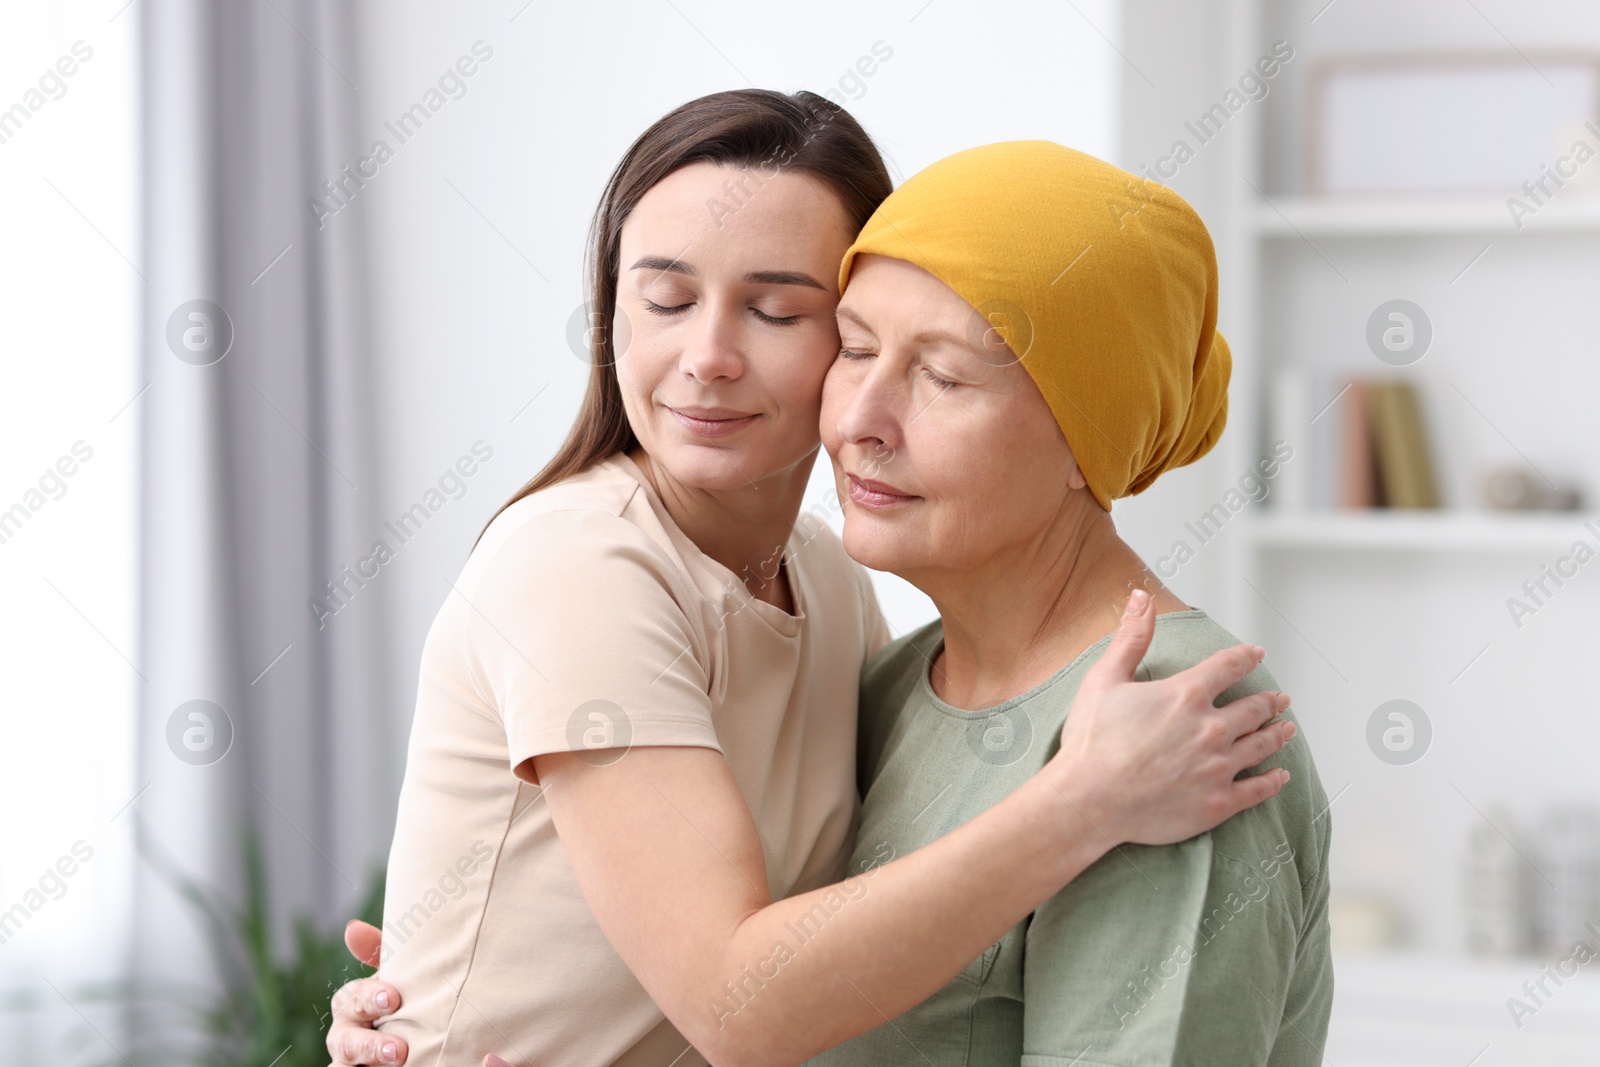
(870, 414)
(712, 345)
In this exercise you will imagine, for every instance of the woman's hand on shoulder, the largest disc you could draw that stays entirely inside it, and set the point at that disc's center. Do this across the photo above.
(1155, 762)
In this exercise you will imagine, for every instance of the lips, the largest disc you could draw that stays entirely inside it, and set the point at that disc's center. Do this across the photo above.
(712, 422)
(875, 494)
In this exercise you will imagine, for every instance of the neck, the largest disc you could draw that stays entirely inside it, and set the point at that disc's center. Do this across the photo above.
(745, 529)
(1024, 614)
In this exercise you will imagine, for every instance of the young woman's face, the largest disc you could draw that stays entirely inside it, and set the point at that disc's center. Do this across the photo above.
(945, 454)
(725, 328)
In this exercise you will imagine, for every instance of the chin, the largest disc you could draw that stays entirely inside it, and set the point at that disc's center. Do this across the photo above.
(871, 545)
(705, 467)
(696, 467)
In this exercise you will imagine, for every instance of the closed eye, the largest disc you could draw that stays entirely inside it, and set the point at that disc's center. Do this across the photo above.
(662, 309)
(857, 353)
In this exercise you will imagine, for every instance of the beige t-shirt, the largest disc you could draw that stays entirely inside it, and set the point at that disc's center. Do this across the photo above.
(585, 620)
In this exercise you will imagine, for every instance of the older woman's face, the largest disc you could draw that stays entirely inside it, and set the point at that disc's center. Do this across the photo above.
(945, 453)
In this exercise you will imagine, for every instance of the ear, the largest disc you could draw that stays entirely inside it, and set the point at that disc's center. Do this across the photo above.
(1075, 478)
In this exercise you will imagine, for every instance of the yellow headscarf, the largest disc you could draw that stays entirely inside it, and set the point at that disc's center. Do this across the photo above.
(1103, 283)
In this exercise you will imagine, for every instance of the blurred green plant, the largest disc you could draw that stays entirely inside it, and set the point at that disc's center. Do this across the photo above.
(271, 1009)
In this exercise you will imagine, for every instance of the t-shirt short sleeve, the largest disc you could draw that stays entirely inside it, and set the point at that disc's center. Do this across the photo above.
(580, 637)
(1196, 952)
(1164, 955)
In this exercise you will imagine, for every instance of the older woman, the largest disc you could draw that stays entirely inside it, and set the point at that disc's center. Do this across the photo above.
(1031, 333)
(1021, 345)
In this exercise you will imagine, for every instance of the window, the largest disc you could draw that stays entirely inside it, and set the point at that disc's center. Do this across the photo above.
(70, 321)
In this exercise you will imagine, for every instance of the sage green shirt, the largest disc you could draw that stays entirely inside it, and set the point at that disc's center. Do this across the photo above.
(1213, 951)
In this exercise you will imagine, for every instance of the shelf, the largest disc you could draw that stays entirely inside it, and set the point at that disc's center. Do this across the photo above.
(1569, 211)
(1424, 1010)
(1410, 531)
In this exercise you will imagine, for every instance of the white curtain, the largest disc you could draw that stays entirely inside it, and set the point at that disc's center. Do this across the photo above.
(259, 476)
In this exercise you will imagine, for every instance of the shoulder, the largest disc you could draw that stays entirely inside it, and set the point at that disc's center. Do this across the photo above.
(575, 590)
(1289, 830)
(588, 535)
(585, 500)
(1184, 638)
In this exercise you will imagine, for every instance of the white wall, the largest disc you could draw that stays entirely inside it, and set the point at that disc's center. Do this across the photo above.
(1170, 64)
(477, 223)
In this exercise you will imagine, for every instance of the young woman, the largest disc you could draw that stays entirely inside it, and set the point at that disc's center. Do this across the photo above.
(630, 795)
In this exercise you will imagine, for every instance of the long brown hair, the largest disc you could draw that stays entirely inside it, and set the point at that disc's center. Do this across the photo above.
(742, 127)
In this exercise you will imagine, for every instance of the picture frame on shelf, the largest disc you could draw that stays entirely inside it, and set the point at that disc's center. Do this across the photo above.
(1452, 122)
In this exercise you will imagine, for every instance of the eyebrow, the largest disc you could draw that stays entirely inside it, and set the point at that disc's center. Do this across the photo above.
(758, 277)
(845, 313)
(925, 337)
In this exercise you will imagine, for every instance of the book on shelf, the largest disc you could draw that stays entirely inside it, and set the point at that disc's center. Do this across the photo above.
(1405, 464)
(1385, 459)
(1358, 472)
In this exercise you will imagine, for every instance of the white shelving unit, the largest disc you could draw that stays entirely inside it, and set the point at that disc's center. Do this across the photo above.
(1266, 226)
(1357, 608)
(1409, 1009)
(1293, 217)
(1401, 531)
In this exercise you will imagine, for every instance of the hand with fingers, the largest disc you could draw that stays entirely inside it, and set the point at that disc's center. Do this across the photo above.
(353, 1040)
(1157, 762)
